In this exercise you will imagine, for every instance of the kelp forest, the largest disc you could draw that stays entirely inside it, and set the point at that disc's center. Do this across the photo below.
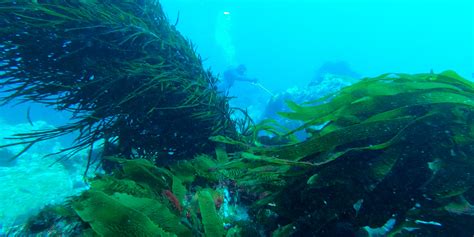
(395, 149)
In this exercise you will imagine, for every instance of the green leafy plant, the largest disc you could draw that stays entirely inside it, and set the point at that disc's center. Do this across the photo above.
(137, 200)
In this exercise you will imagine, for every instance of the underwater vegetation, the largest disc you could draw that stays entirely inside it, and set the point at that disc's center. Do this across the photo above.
(124, 73)
(398, 147)
(395, 148)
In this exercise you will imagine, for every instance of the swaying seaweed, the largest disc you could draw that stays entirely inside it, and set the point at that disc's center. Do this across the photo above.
(121, 70)
(407, 162)
(396, 147)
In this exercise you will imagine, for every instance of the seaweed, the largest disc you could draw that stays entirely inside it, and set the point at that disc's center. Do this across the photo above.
(398, 145)
(123, 72)
(212, 222)
(111, 217)
(123, 204)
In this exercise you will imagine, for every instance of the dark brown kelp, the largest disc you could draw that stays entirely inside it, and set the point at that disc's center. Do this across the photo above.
(119, 67)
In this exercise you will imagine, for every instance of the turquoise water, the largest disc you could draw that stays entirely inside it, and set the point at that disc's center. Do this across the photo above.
(284, 42)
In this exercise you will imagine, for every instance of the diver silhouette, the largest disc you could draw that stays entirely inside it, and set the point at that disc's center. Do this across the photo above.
(234, 74)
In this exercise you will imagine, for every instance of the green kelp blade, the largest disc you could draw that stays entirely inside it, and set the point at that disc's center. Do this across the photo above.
(144, 172)
(272, 127)
(184, 170)
(178, 189)
(368, 106)
(213, 225)
(221, 155)
(336, 138)
(375, 87)
(204, 165)
(109, 217)
(453, 78)
(158, 212)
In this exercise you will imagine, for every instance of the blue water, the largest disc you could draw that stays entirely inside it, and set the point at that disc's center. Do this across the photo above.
(283, 42)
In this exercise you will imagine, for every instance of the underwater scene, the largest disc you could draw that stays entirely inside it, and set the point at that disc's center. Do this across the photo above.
(213, 118)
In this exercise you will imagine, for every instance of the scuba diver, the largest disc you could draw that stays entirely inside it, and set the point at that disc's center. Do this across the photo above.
(235, 74)
(239, 73)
